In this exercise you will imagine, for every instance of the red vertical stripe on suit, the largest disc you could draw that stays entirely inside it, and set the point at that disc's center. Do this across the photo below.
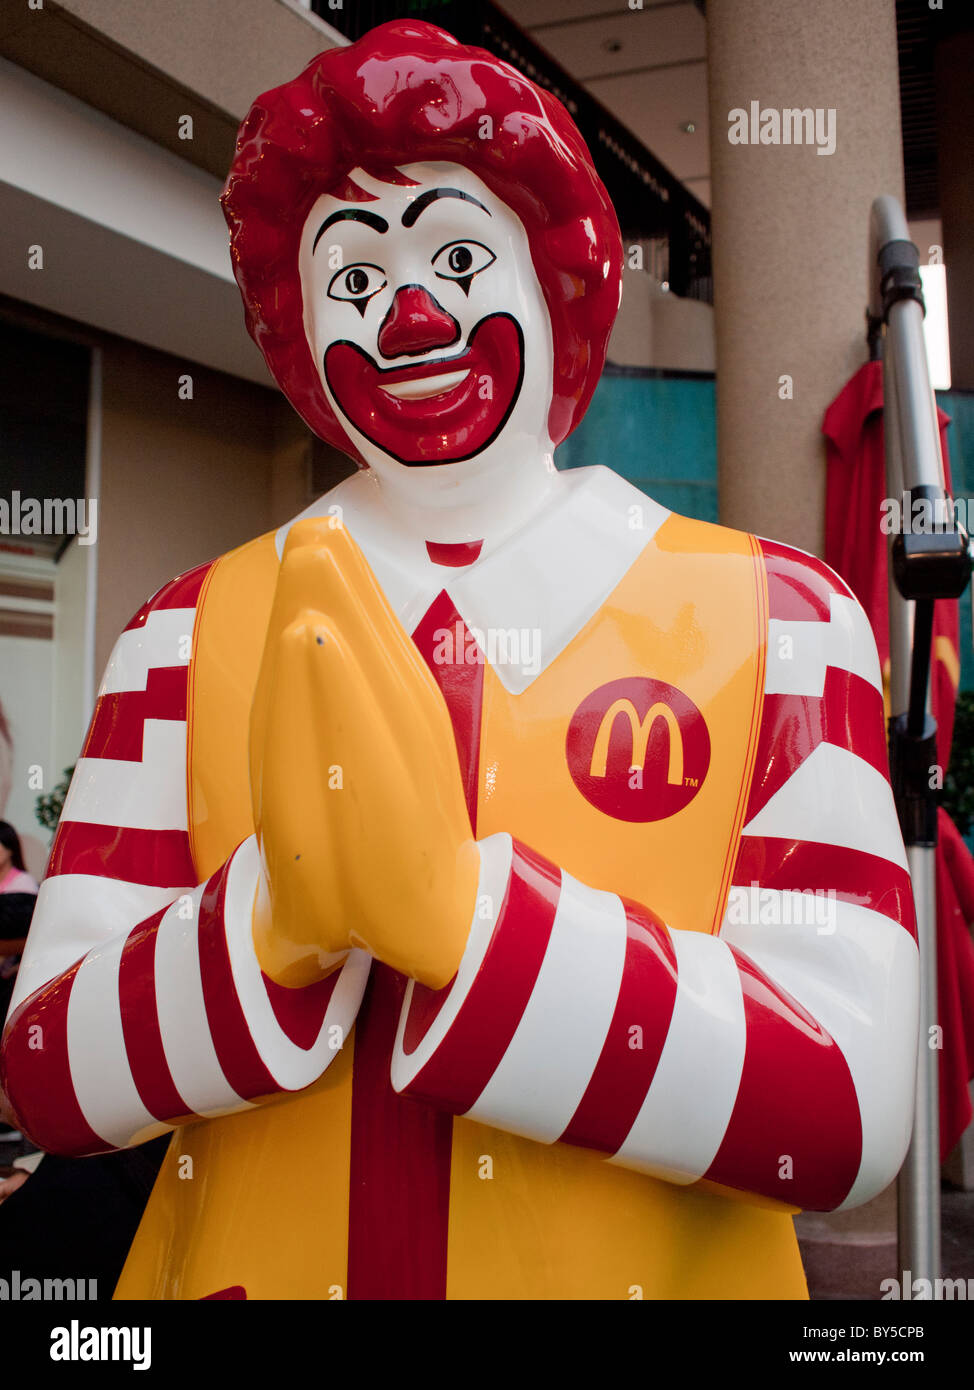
(628, 1061)
(399, 1200)
(36, 1072)
(140, 1024)
(462, 684)
(488, 1018)
(235, 1048)
(810, 1156)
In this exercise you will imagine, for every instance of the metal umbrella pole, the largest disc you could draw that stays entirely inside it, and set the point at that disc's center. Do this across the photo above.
(929, 560)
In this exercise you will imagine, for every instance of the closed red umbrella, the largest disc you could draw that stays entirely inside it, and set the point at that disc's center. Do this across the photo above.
(856, 547)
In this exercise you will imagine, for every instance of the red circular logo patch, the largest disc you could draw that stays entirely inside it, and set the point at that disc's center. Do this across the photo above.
(638, 749)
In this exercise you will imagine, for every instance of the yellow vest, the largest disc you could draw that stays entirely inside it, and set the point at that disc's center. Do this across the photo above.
(260, 1199)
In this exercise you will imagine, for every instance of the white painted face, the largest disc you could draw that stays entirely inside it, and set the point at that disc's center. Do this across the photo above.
(427, 322)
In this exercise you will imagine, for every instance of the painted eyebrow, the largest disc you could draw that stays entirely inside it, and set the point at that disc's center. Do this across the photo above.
(430, 196)
(371, 219)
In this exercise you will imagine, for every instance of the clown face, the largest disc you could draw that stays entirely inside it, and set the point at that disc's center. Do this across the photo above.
(426, 321)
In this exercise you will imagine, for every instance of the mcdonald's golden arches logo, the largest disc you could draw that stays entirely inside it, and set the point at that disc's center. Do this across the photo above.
(638, 749)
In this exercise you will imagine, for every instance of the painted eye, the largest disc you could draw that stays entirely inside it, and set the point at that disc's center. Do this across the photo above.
(461, 261)
(357, 283)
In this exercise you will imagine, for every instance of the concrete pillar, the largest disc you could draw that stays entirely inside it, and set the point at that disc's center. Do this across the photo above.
(790, 230)
(955, 160)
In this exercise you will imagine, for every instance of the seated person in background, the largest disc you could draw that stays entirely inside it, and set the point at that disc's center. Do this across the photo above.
(14, 877)
(18, 893)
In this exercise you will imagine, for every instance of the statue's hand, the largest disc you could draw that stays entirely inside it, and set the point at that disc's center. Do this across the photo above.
(361, 820)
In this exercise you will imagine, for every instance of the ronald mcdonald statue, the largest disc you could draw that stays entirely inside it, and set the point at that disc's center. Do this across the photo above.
(491, 878)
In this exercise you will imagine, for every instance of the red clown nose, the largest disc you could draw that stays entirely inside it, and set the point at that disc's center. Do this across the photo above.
(415, 323)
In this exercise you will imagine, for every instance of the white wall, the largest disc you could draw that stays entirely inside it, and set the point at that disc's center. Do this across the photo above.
(26, 671)
(132, 236)
(69, 713)
(657, 329)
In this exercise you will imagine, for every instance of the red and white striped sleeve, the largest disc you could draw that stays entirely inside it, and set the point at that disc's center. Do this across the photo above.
(140, 1001)
(776, 1057)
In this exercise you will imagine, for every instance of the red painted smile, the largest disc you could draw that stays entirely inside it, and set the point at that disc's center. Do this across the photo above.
(440, 410)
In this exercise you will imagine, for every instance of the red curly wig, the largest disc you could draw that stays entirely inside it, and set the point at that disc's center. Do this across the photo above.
(409, 93)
